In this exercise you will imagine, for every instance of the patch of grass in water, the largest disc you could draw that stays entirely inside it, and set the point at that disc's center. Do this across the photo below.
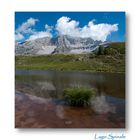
(79, 96)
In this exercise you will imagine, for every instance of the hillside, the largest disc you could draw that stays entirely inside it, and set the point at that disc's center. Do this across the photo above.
(108, 59)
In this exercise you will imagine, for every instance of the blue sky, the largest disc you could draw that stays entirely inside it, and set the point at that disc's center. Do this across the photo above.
(115, 24)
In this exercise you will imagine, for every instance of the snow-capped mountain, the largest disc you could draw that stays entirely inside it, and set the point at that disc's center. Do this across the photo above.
(61, 44)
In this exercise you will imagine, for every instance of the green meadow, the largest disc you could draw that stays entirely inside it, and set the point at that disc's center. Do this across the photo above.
(109, 59)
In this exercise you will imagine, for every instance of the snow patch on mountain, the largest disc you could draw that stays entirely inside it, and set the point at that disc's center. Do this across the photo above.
(46, 50)
(79, 51)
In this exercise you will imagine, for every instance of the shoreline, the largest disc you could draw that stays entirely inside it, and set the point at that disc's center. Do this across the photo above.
(84, 71)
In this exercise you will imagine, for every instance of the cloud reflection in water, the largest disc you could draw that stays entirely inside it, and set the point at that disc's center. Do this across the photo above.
(100, 105)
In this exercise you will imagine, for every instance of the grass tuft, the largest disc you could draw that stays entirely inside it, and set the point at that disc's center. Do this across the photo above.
(79, 96)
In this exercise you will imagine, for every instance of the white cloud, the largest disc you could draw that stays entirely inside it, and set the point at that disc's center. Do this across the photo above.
(66, 26)
(18, 37)
(40, 34)
(26, 27)
(48, 28)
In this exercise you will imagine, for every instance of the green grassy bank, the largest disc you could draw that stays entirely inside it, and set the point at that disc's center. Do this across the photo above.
(109, 59)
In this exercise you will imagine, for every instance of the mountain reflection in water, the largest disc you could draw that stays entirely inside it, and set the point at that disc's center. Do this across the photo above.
(40, 102)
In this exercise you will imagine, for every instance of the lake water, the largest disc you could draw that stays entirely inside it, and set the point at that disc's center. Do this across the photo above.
(40, 102)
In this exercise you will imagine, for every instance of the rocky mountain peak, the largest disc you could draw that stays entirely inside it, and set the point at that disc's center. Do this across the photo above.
(60, 44)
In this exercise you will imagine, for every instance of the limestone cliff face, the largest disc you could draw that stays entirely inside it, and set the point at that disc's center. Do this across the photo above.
(61, 44)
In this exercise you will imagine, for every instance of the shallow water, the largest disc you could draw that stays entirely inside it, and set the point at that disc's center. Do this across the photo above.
(40, 102)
